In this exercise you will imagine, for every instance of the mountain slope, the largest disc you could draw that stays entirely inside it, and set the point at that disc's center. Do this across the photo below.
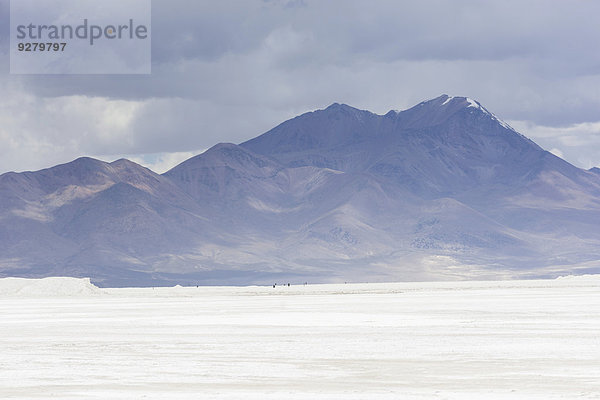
(445, 147)
(443, 190)
(442, 146)
(86, 216)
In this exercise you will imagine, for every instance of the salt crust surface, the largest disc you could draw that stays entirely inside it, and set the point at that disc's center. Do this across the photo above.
(66, 339)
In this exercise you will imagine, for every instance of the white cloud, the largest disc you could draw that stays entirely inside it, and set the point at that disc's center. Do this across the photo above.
(578, 143)
(557, 152)
(162, 162)
(39, 132)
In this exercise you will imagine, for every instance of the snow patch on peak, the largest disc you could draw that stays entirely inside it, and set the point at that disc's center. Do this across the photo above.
(462, 100)
(477, 105)
(473, 103)
(504, 124)
(448, 100)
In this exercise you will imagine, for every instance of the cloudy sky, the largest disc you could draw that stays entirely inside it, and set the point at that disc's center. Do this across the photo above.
(226, 71)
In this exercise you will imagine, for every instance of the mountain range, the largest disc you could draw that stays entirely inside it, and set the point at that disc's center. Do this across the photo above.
(443, 190)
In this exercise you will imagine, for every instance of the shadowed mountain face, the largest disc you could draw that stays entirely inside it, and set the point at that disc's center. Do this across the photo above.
(444, 190)
(440, 147)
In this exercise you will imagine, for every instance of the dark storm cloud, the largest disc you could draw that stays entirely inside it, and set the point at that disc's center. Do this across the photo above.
(229, 70)
(553, 39)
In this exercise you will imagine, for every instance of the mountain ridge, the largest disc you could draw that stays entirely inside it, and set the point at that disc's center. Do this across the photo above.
(444, 189)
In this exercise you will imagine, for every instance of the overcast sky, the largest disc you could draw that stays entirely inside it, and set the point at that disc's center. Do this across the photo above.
(227, 71)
